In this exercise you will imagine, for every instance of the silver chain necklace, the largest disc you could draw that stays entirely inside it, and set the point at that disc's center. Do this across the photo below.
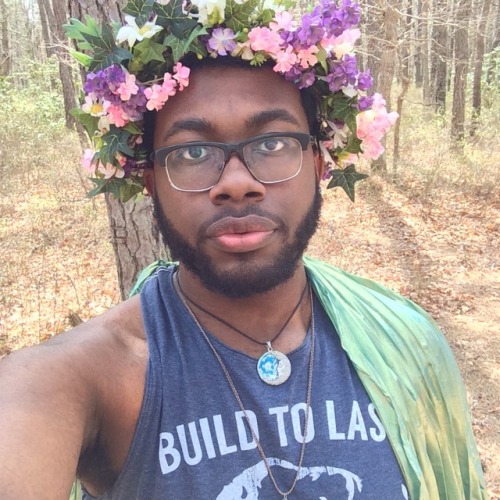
(284, 494)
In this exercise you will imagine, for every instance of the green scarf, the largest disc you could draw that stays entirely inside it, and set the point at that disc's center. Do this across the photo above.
(411, 376)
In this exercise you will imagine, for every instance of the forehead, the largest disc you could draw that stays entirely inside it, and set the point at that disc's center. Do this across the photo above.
(228, 104)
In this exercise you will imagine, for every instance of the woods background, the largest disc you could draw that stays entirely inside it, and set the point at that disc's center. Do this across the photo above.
(425, 224)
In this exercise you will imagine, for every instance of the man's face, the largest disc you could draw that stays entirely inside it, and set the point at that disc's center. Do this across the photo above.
(241, 237)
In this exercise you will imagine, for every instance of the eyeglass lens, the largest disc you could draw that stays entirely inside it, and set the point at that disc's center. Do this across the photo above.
(198, 167)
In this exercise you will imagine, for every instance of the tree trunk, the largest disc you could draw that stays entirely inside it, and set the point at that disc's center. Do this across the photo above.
(460, 82)
(439, 56)
(404, 78)
(134, 237)
(478, 66)
(44, 8)
(387, 65)
(417, 42)
(58, 16)
(373, 18)
(426, 82)
(5, 66)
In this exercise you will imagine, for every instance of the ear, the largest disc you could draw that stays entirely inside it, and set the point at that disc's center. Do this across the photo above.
(149, 181)
(319, 163)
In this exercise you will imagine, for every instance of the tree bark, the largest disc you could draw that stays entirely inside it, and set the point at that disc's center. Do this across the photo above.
(5, 65)
(460, 81)
(404, 78)
(478, 66)
(387, 65)
(135, 240)
(439, 56)
(426, 85)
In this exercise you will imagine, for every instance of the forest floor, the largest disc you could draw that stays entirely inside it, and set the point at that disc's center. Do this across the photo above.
(439, 247)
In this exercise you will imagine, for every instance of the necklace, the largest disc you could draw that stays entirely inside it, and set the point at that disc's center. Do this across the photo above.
(229, 379)
(273, 366)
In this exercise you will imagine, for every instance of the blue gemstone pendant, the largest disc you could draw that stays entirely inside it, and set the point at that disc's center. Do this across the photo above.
(273, 367)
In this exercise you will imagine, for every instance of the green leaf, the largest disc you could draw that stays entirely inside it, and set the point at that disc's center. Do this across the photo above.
(103, 58)
(237, 15)
(89, 122)
(346, 179)
(150, 51)
(76, 28)
(140, 9)
(115, 141)
(182, 47)
(84, 59)
(173, 19)
(133, 128)
(129, 190)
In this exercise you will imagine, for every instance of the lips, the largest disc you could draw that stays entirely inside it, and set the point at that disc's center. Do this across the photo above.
(241, 234)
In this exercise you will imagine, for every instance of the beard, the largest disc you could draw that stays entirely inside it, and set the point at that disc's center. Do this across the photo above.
(249, 278)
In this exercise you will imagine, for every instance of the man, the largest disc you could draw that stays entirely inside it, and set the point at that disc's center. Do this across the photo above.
(245, 371)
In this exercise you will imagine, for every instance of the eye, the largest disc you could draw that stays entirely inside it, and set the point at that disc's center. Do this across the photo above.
(192, 153)
(273, 144)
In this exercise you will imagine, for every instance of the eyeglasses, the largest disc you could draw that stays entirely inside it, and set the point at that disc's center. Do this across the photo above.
(198, 166)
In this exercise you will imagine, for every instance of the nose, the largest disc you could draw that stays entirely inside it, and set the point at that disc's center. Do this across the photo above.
(237, 184)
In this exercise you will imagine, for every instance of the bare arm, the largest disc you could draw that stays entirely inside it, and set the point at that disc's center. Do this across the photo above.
(54, 399)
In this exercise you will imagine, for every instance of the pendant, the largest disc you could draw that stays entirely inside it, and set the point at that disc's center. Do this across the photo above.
(273, 367)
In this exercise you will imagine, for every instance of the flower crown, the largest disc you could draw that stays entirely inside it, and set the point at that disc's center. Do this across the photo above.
(137, 67)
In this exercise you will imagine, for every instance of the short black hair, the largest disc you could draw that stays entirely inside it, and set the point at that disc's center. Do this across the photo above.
(307, 97)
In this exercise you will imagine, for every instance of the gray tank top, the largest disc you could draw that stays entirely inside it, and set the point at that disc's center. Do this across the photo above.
(192, 440)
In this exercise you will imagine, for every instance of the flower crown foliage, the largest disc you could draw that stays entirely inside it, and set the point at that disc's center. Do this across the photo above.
(137, 67)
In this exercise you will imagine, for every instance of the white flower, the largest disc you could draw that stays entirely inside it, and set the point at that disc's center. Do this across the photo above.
(210, 12)
(132, 33)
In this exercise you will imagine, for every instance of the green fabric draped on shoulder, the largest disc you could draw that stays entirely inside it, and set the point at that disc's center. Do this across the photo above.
(410, 373)
(412, 378)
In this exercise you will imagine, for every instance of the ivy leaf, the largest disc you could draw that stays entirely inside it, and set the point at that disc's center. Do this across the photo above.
(129, 190)
(346, 179)
(150, 51)
(237, 15)
(103, 58)
(181, 47)
(116, 140)
(89, 122)
(76, 29)
(104, 41)
(140, 9)
(84, 59)
(171, 17)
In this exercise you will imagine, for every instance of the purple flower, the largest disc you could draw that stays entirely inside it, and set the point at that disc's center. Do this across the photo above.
(222, 41)
(310, 32)
(365, 80)
(342, 73)
(365, 103)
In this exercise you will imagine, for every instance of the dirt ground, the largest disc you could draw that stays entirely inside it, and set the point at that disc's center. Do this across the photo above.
(442, 251)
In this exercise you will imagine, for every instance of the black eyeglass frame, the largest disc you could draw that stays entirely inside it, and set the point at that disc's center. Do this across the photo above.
(161, 154)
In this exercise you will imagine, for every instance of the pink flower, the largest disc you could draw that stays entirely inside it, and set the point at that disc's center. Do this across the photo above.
(158, 95)
(307, 56)
(264, 39)
(342, 44)
(372, 125)
(181, 75)
(109, 170)
(117, 116)
(285, 59)
(128, 88)
(282, 21)
(88, 163)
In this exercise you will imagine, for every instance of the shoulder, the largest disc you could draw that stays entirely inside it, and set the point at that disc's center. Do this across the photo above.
(76, 384)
